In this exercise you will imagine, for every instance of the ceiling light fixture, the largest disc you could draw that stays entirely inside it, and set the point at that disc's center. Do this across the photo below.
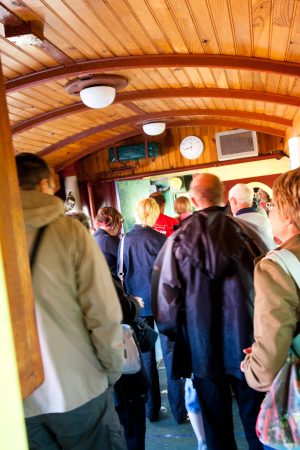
(154, 128)
(96, 91)
(98, 96)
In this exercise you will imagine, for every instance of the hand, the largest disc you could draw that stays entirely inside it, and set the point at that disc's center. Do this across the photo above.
(242, 366)
(247, 351)
(139, 300)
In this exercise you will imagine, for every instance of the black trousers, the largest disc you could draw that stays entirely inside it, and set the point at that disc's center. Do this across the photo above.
(132, 416)
(215, 398)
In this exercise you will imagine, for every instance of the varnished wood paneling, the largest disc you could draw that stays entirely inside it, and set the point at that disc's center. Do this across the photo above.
(150, 61)
(231, 47)
(16, 266)
(23, 106)
(283, 20)
(97, 165)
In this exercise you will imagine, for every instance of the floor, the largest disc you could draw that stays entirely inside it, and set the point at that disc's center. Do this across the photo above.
(166, 434)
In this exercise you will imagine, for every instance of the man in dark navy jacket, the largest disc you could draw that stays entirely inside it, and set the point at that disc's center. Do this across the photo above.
(203, 300)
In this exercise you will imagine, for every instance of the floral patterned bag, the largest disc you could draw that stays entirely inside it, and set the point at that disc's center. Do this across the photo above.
(278, 422)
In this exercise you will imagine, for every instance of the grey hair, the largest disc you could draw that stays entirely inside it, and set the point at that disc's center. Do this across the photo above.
(242, 193)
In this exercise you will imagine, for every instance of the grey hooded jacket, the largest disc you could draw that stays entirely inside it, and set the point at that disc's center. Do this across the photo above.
(77, 310)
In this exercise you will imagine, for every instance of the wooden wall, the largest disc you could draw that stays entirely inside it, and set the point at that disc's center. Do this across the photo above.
(97, 167)
(13, 248)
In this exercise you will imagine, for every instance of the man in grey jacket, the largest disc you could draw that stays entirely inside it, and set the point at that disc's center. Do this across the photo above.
(240, 198)
(78, 318)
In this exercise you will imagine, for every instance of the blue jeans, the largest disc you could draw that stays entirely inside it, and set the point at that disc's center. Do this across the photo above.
(93, 425)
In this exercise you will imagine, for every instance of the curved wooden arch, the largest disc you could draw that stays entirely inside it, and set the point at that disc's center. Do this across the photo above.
(128, 97)
(138, 120)
(147, 61)
(94, 147)
(237, 94)
(121, 137)
(230, 123)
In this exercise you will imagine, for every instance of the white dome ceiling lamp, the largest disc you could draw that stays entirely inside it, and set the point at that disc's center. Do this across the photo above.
(96, 91)
(154, 128)
(98, 96)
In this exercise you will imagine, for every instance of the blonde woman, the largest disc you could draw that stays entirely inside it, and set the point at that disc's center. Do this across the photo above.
(141, 246)
(183, 208)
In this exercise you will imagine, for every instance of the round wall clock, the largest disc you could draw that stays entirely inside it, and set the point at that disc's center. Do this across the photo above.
(191, 147)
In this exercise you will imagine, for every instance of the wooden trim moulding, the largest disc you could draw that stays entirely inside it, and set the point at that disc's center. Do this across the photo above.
(123, 136)
(95, 147)
(229, 123)
(147, 61)
(138, 120)
(166, 93)
(8, 18)
(13, 247)
(152, 94)
(40, 119)
(14, 27)
(277, 154)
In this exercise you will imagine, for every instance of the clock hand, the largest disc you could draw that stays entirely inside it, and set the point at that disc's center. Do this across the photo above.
(187, 148)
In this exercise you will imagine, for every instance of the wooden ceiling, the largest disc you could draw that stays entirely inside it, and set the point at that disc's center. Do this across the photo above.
(234, 63)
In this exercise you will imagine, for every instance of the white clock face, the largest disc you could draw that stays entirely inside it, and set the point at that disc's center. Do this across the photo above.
(191, 147)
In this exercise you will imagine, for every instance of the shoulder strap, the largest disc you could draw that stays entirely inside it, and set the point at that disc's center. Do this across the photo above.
(291, 265)
(121, 258)
(36, 244)
(288, 261)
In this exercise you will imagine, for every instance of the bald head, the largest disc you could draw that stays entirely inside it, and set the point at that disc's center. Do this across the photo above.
(206, 190)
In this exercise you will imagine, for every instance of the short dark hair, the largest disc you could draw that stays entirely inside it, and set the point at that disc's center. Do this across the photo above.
(158, 197)
(31, 170)
(81, 217)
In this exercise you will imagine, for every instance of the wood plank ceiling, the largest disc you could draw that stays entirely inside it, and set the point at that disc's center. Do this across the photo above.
(232, 62)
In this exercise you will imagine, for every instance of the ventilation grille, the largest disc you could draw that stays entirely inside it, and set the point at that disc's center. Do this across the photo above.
(236, 144)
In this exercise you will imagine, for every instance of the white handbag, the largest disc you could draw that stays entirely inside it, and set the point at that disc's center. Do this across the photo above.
(132, 357)
(131, 352)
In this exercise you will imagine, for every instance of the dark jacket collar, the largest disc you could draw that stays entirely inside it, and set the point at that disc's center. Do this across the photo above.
(246, 210)
(213, 208)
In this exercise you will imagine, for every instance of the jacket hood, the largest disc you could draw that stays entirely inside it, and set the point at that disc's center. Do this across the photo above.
(213, 240)
(40, 209)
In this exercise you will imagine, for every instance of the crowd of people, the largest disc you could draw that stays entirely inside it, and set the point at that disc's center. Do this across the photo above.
(222, 331)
